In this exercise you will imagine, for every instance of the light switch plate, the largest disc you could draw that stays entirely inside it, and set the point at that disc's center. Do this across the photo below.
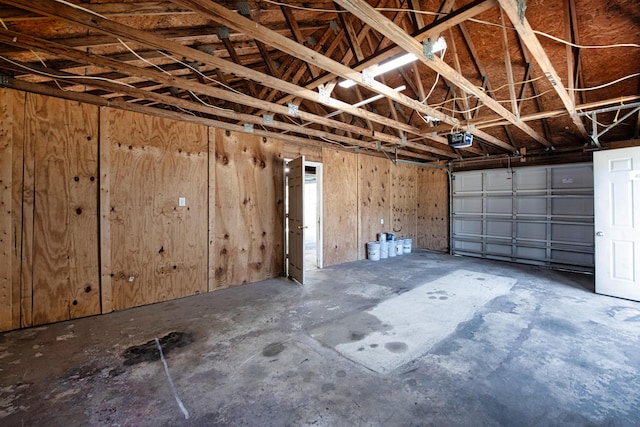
(182, 201)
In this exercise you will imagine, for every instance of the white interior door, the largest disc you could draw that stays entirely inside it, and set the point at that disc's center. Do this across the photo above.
(296, 219)
(617, 222)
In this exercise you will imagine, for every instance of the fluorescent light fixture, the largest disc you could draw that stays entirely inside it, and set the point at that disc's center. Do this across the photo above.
(398, 62)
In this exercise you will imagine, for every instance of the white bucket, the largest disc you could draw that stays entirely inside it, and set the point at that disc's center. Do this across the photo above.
(373, 251)
(384, 250)
(391, 244)
(406, 247)
(382, 237)
(399, 246)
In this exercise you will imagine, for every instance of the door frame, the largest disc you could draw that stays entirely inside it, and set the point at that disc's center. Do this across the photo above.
(319, 235)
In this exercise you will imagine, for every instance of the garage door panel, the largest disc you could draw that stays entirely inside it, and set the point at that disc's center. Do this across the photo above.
(500, 229)
(571, 177)
(467, 227)
(572, 206)
(530, 230)
(531, 206)
(499, 205)
(498, 249)
(468, 205)
(543, 215)
(572, 233)
(471, 181)
(531, 179)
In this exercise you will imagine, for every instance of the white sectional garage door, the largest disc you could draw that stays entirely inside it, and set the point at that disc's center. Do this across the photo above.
(533, 215)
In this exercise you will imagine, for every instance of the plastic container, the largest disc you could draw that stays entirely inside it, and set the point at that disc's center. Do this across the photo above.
(406, 246)
(399, 246)
(384, 250)
(373, 251)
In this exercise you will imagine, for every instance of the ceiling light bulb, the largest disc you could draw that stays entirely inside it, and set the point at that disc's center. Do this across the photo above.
(398, 62)
(347, 84)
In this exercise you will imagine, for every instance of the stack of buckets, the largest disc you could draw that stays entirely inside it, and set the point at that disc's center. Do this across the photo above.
(388, 246)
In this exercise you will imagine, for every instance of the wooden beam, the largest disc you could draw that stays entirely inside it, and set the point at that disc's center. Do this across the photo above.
(229, 18)
(459, 15)
(374, 18)
(531, 42)
(297, 34)
(507, 62)
(416, 15)
(115, 9)
(351, 36)
(93, 99)
(116, 29)
(168, 80)
(456, 62)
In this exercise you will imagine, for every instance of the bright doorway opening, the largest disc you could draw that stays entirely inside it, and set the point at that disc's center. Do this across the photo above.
(312, 214)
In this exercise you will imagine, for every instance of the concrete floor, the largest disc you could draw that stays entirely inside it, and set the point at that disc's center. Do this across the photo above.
(519, 346)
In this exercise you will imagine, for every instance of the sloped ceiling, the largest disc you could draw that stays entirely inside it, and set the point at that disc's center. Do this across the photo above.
(545, 80)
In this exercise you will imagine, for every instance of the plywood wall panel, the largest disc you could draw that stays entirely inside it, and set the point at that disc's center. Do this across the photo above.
(11, 160)
(433, 209)
(340, 206)
(373, 199)
(211, 231)
(311, 154)
(403, 200)
(249, 208)
(158, 248)
(62, 139)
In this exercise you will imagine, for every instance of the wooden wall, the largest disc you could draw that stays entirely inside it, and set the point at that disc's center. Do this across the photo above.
(373, 199)
(11, 163)
(412, 201)
(61, 165)
(91, 221)
(340, 206)
(156, 249)
(432, 209)
(249, 206)
(403, 185)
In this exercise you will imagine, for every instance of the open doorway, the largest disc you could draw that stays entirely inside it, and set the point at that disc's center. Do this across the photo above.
(312, 216)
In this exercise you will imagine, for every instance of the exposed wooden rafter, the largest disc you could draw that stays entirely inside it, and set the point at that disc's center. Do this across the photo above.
(531, 42)
(372, 17)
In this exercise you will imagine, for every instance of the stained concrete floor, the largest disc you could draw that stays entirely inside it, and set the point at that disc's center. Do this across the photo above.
(541, 350)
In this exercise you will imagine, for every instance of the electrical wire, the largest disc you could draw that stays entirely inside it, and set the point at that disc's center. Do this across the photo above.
(195, 70)
(206, 104)
(53, 76)
(310, 9)
(436, 81)
(585, 89)
(608, 46)
(75, 6)
(438, 14)
(143, 59)
(507, 85)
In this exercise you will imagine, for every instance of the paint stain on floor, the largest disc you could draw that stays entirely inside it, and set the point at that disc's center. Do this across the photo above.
(148, 352)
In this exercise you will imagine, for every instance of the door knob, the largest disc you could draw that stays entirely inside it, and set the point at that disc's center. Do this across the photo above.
(599, 233)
